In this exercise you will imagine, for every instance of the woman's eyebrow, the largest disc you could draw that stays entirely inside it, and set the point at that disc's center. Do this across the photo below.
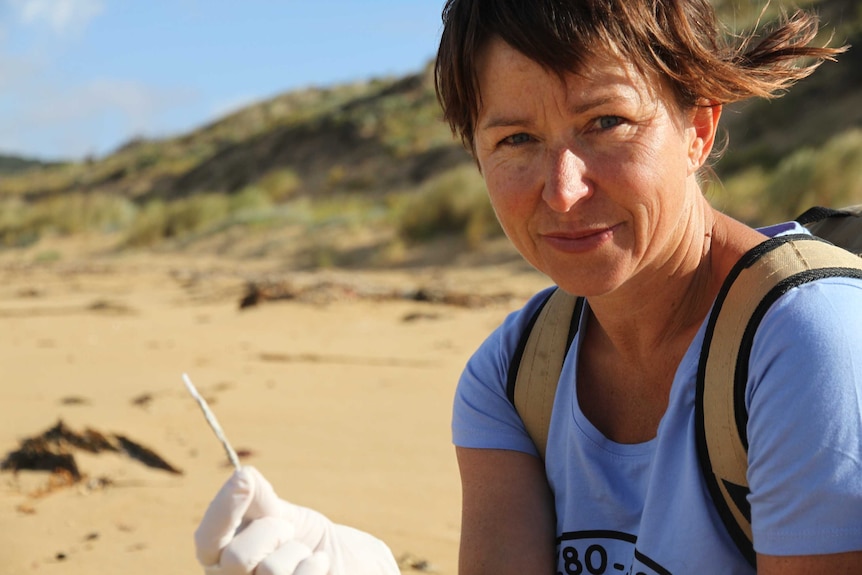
(585, 106)
(510, 121)
(503, 122)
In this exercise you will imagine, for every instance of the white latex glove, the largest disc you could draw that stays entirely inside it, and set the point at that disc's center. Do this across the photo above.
(248, 529)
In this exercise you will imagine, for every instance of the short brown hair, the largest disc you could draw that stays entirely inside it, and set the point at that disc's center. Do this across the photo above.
(678, 39)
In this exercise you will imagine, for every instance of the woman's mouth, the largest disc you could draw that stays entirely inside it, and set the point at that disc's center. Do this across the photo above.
(578, 241)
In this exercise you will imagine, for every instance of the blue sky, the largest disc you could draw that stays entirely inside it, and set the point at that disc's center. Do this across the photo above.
(80, 77)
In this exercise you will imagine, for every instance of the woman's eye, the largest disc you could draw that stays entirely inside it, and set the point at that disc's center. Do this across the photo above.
(608, 122)
(516, 139)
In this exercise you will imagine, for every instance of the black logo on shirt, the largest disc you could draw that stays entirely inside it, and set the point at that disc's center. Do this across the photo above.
(603, 553)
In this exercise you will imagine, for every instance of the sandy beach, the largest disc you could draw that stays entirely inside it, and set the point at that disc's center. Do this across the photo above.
(339, 392)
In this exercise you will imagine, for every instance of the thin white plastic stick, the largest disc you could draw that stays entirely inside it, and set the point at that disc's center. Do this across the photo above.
(211, 419)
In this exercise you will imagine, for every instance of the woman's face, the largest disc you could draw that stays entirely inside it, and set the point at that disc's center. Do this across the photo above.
(592, 176)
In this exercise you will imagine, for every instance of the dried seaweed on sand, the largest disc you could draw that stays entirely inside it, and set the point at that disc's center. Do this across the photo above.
(53, 451)
(326, 292)
(37, 457)
(145, 455)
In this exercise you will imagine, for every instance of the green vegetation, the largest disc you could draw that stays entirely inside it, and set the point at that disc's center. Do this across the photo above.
(16, 164)
(24, 223)
(828, 176)
(452, 203)
(364, 174)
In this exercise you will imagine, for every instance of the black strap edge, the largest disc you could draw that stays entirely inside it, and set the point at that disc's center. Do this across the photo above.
(515, 362)
(736, 533)
(817, 213)
(574, 324)
(747, 343)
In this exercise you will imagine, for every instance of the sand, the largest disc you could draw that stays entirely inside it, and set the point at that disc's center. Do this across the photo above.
(340, 399)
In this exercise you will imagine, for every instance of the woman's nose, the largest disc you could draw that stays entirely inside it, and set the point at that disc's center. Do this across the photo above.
(565, 183)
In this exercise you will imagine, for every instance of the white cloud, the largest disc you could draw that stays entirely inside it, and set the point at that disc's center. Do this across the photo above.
(91, 118)
(16, 72)
(62, 16)
(46, 112)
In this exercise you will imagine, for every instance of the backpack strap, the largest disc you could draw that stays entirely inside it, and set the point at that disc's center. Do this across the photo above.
(538, 361)
(755, 283)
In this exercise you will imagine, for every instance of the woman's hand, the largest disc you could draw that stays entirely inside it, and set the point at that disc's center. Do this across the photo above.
(248, 529)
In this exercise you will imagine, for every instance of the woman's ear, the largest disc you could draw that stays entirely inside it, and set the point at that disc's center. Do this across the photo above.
(703, 127)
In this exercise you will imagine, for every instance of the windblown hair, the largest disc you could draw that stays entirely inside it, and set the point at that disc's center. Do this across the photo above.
(678, 40)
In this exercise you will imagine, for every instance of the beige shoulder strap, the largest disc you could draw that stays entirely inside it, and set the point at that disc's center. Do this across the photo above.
(541, 363)
(725, 443)
(722, 445)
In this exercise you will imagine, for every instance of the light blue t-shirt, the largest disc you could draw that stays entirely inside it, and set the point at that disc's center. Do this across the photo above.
(644, 508)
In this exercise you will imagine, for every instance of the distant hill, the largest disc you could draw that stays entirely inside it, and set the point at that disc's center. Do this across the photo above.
(370, 137)
(375, 155)
(17, 164)
(828, 103)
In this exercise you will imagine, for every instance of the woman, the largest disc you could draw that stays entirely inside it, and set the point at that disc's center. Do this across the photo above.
(591, 122)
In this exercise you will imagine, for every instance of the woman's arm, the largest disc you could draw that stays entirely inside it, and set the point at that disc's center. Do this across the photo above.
(507, 521)
(836, 564)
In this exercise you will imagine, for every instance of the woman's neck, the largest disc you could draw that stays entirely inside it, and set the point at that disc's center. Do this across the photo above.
(670, 300)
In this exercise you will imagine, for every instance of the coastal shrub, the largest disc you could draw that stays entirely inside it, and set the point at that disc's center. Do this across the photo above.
(793, 183)
(159, 220)
(351, 211)
(195, 213)
(23, 223)
(841, 169)
(70, 214)
(148, 227)
(829, 176)
(453, 203)
(17, 228)
(741, 196)
(249, 199)
(280, 185)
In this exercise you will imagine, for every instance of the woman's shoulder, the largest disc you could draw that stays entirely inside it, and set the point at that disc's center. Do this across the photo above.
(812, 278)
(506, 336)
(810, 334)
(818, 295)
(483, 415)
(816, 308)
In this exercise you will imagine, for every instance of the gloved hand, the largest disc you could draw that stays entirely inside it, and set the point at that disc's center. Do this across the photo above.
(248, 529)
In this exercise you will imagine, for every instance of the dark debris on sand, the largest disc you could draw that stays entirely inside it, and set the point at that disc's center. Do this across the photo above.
(325, 292)
(53, 451)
